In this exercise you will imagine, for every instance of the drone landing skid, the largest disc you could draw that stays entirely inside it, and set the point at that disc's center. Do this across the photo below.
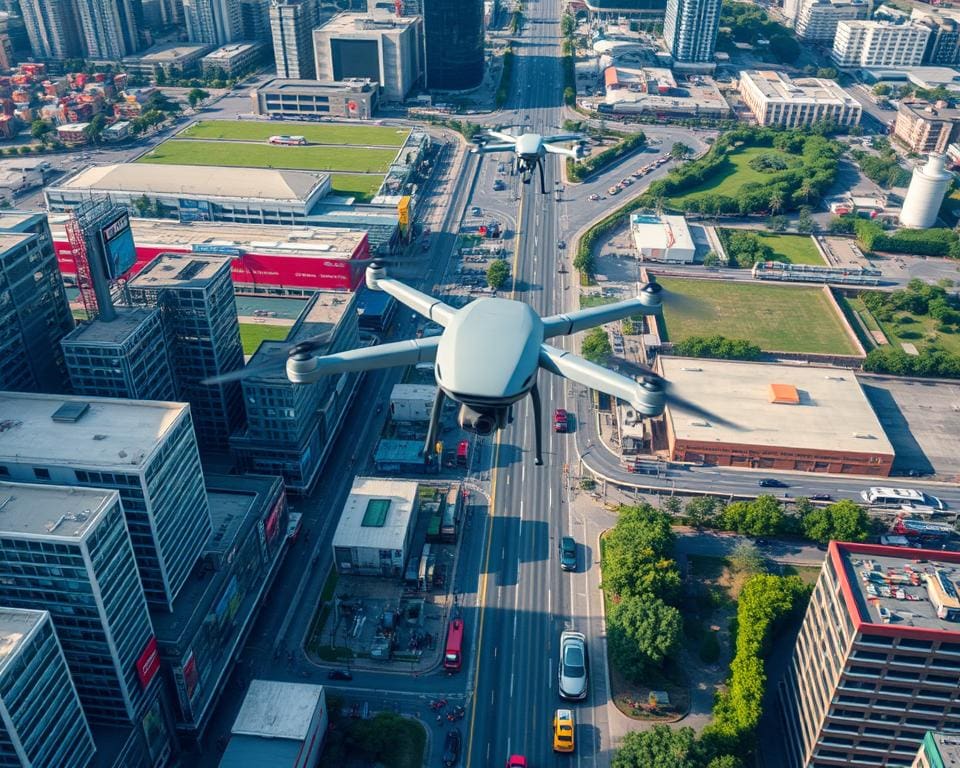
(537, 425)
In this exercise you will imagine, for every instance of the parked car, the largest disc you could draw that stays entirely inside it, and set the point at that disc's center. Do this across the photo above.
(572, 670)
(769, 482)
(568, 554)
(821, 497)
(451, 747)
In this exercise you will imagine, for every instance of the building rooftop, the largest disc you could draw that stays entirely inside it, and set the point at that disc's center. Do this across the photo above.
(10, 240)
(108, 433)
(15, 220)
(928, 111)
(413, 391)
(292, 84)
(179, 270)
(348, 23)
(72, 127)
(833, 413)
(15, 625)
(198, 180)
(167, 53)
(128, 321)
(376, 514)
(399, 452)
(230, 50)
(661, 231)
(50, 511)
(887, 585)
(276, 710)
(779, 87)
(947, 746)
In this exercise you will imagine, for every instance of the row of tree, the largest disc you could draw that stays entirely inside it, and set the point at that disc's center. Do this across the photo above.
(577, 171)
(718, 348)
(936, 241)
(506, 77)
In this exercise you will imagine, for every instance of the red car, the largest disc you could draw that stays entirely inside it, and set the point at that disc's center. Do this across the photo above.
(560, 420)
(517, 761)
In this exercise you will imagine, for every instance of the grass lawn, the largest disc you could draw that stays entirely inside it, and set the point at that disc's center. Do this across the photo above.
(921, 333)
(777, 318)
(807, 573)
(251, 334)
(738, 172)
(595, 300)
(792, 249)
(363, 186)
(225, 153)
(243, 130)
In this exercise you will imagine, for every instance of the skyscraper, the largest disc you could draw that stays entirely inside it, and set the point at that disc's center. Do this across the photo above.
(453, 30)
(124, 357)
(67, 551)
(292, 23)
(34, 313)
(255, 20)
(215, 22)
(51, 27)
(200, 313)
(43, 723)
(690, 31)
(109, 29)
(146, 450)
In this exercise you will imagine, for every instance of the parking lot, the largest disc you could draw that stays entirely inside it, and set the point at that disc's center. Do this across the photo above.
(922, 420)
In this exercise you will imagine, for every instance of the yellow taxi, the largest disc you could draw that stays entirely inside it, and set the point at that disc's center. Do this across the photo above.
(563, 731)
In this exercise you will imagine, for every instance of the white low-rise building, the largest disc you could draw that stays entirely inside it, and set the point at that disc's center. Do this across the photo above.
(375, 528)
(412, 402)
(777, 99)
(861, 43)
(662, 238)
(817, 19)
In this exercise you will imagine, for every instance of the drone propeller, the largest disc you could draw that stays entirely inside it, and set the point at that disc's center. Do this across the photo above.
(679, 302)
(303, 348)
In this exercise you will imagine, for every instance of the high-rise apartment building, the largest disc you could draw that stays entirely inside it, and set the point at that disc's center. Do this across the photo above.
(690, 31)
(291, 427)
(145, 450)
(879, 44)
(924, 128)
(291, 25)
(196, 296)
(817, 19)
(42, 723)
(124, 357)
(109, 29)
(453, 34)
(51, 28)
(877, 658)
(34, 312)
(255, 20)
(67, 551)
(214, 22)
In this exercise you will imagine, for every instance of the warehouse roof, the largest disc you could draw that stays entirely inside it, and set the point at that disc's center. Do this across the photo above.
(276, 710)
(364, 508)
(833, 412)
(163, 179)
(108, 433)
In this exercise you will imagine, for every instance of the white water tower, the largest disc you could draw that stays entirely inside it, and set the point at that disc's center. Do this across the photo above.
(925, 193)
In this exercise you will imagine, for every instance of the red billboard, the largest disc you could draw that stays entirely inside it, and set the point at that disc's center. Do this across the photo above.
(149, 663)
(273, 519)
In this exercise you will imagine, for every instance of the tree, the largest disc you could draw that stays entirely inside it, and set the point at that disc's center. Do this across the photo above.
(841, 521)
(777, 223)
(881, 89)
(805, 222)
(641, 633)
(762, 517)
(746, 558)
(142, 204)
(784, 47)
(701, 510)
(567, 25)
(711, 259)
(679, 150)
(672, 505)
(596, 346)
(583, 261)
(569, 96)
(725, 761)
(39, 129)
(197, 95)
(776, 200)
(660, 747)
(638, 556)
(497, 273)
(94, 129)
(828, 73)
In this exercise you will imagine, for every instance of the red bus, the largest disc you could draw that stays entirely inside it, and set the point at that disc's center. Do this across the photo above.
(463, 453)
(452, 656)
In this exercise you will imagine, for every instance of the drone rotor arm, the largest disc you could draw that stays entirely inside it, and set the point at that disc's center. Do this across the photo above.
(568, 151)
(304, 370)
(506, 138)
(574, 322)
(421, 303)
(486, 149)
(648, 400)
(561, 137)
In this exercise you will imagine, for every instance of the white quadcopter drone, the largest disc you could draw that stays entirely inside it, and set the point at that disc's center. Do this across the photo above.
(488, 357)
(530, 149)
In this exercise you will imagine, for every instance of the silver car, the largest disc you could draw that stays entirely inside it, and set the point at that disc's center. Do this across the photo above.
(572, 672)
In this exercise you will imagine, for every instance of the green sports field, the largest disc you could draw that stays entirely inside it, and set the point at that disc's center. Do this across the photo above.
(777, 318)
(227, 153)
(793, 249)
(243, 130)
(737, 173)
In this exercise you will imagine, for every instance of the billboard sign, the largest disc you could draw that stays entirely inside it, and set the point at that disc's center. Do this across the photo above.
(118, 246)
(149, 663)
(273, 520)
(187, 679)
(216, 250)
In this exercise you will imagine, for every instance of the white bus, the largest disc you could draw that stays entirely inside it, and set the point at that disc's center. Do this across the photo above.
(290, 141)
(896, 498)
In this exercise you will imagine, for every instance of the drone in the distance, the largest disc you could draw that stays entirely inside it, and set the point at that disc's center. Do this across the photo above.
(530, 149)
(489, 356)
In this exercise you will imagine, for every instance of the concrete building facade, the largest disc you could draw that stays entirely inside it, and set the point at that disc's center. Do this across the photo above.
(291, 27)
(233, 59)
(938, 750)
(313, 99)
(34, 312)
(126, 357)
(145, 450)
(109, 29)
(195, 294)
(690, 31)
(213, 22)
(51, 28)
(863, 43)
(876, 661)
(777, 99)
(43, 722)
(387, 50)
(924, 127)
(453, 43)
(817, 19)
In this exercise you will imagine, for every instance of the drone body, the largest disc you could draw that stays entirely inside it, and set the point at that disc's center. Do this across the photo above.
(530, 150)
